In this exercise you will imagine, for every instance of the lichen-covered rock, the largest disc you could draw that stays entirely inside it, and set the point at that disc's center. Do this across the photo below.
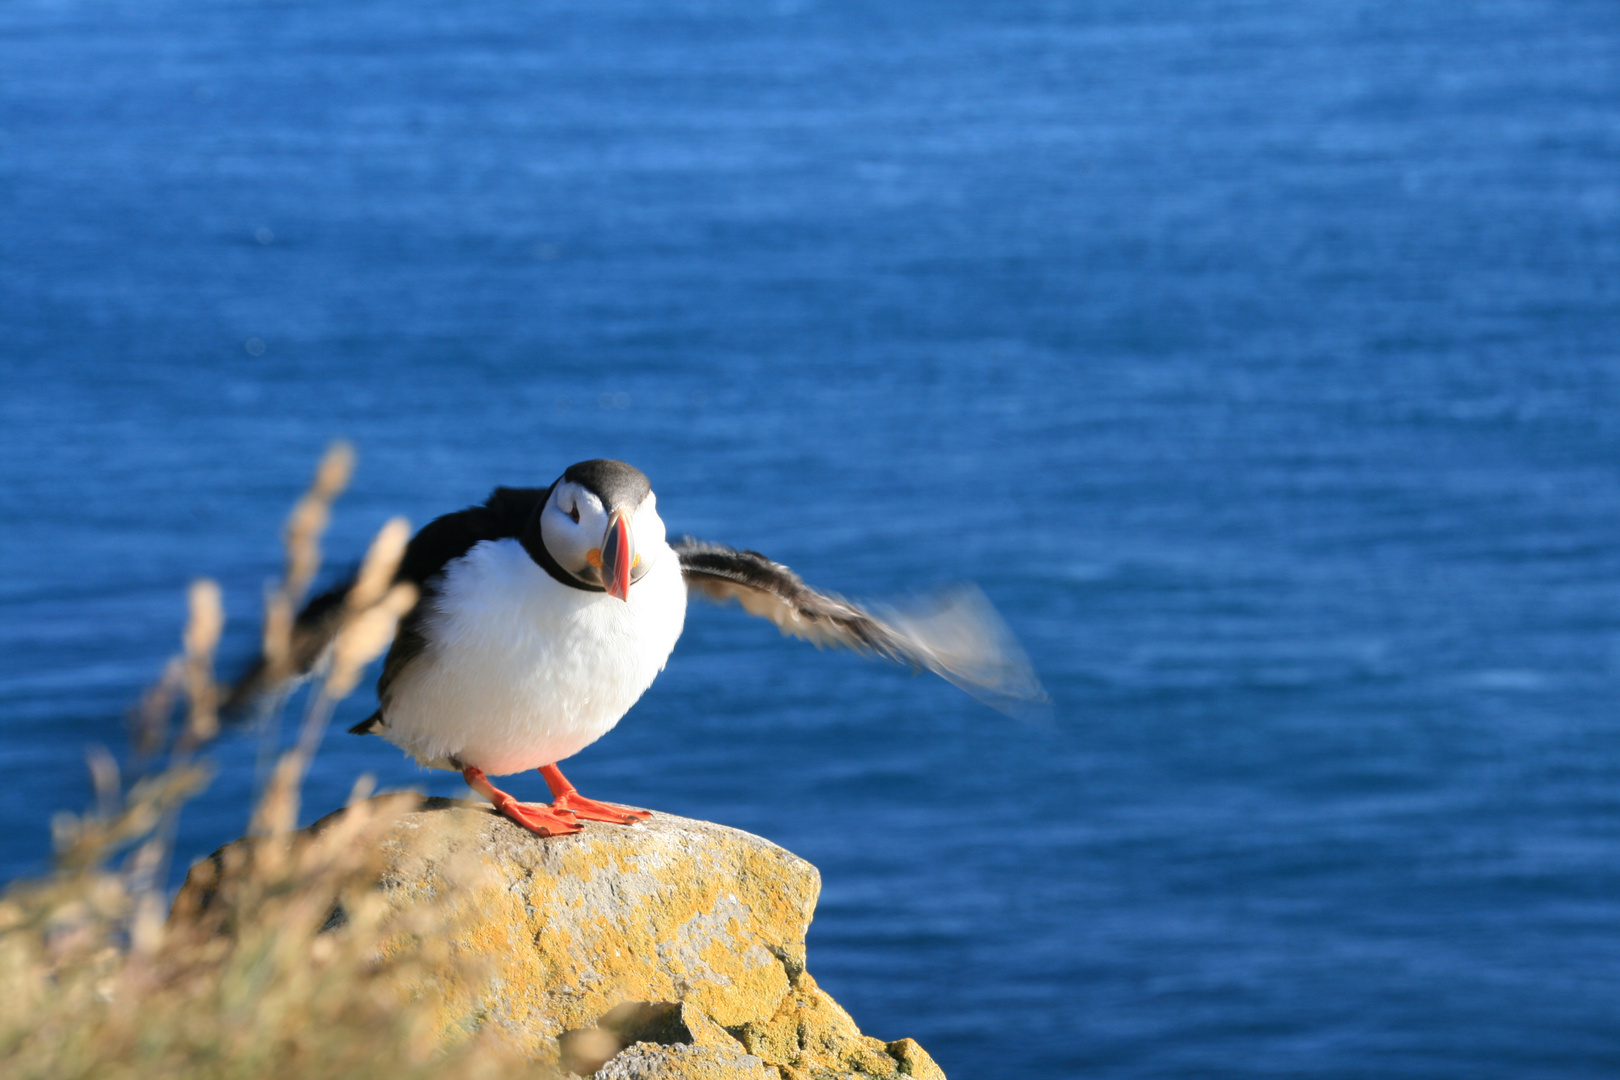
(669, 949)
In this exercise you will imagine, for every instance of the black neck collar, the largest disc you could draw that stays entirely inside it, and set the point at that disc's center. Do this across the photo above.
(535, 544)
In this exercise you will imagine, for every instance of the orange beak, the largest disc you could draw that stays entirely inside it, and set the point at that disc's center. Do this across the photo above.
(618, 555)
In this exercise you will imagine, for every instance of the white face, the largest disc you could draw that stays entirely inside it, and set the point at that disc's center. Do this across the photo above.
(574, 523)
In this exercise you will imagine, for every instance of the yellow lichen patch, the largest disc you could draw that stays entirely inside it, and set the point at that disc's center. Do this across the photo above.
(914, 1060)
(753, 991)
(704, 1029)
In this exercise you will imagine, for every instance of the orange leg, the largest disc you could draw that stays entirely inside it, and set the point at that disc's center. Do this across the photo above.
(564, 797)
(552, 821)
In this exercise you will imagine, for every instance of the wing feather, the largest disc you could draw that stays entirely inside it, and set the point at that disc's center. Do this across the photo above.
(956, 634)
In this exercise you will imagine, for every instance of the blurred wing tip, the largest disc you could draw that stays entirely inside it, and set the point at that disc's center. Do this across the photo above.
(958, 635)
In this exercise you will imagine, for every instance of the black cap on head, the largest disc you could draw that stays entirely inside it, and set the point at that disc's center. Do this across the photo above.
(614, 482)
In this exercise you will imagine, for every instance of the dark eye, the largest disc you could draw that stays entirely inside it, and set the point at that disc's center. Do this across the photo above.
(574, 513)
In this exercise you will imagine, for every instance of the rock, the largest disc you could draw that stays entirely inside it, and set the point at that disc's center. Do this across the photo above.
(652, 1061)
(669, 949)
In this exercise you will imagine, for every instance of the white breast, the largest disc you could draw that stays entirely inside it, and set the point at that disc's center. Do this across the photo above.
(522, 670)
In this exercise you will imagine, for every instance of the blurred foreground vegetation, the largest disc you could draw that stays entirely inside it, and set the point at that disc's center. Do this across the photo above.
(97, 980)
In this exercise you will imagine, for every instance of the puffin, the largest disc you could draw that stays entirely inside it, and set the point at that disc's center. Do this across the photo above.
(543, 614)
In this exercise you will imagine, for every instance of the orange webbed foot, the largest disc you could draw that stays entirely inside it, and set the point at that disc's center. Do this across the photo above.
(564, 797)
(591, 810)
(540, 820)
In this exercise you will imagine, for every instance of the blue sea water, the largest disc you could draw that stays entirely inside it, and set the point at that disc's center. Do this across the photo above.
(1261, 360)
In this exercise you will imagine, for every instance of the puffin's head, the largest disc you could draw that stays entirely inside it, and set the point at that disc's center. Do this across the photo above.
(600, 515)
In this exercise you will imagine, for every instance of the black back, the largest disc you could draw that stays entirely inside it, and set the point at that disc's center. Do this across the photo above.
(508, 513)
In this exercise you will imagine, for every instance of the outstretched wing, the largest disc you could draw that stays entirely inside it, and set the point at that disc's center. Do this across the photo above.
(955, 634)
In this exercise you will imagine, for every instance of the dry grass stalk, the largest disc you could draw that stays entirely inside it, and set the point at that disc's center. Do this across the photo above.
(260, 982)
(370, 613)
(206, 623)
(149, 721)
(302, 539)
(311, 515)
